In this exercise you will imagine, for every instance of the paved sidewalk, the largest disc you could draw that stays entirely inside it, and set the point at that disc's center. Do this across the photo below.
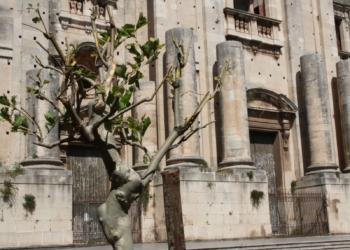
(224, 243)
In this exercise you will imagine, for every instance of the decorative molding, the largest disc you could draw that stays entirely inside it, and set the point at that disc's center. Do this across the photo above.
(263, 99)
(81, 22)
(343, 54)
(268, 110)
(251, 16)
(257, 33)
(341, 11)
(6, 53)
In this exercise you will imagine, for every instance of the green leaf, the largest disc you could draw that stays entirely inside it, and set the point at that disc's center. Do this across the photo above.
(104, 37)
(135, 79)
(132, 88)
(100, 90)
(29, 89)
(4, 114)
(4, 100)
(93, 54)
(145, 159)
(122, 32)
(129, 28)
(124, 100)
(36, 19)
(142, 21)
(50, 120)
(132, 49)
(217, 78)
(133, 137)
(147, 49)
(46, 81)
(21, 121)
(13, 100)
(121, 71)
(144, 126)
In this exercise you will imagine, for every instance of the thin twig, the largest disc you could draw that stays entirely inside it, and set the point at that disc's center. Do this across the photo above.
(144, 149)
(146, 99)
(187, 136)
(56, 143)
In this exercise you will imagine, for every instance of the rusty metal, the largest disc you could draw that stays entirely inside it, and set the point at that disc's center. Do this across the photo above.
(173, 210)
(298, 214)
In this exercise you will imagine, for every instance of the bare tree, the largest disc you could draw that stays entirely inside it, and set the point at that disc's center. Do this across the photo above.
(113, 88)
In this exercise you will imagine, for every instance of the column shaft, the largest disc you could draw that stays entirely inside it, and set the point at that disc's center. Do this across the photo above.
(343, 72)
(233, 108)
(40, 157)
(318, 113)
(189, 151)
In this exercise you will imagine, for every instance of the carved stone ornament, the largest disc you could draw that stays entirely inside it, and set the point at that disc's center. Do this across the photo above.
(73, 6)
(79, 7)
(263, 99)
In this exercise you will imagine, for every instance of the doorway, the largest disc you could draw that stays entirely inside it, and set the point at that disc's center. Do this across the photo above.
(90, 189)
(264, 154)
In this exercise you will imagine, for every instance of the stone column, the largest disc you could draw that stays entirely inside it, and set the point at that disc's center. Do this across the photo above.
(148, 109)
(343, 72)
(318, 114)
(40, 157)
(189, 151)
(233, 108)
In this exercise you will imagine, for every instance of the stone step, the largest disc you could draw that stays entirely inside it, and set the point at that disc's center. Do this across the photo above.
(344, 244)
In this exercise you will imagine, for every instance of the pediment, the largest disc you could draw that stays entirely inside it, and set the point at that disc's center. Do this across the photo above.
(263, 99)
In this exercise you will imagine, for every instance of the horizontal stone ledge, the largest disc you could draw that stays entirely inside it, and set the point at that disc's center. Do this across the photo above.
(252, 16)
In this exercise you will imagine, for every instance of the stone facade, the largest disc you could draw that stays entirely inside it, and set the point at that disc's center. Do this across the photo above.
(288, 79)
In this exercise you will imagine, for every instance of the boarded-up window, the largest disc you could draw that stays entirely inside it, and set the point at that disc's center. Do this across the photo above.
(337, 31)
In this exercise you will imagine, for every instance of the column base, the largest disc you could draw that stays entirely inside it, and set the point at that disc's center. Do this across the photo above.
(322, 168)
(233, 163)
(185, 161)
(43, 163)
(347, 170)
(140, 167)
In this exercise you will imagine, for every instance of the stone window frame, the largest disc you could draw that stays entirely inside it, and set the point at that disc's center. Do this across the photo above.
(276, 116)
(341, 26)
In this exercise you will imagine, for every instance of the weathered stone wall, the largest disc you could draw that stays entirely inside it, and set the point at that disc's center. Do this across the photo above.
(51, 222)
(217, 205)
(337, 190)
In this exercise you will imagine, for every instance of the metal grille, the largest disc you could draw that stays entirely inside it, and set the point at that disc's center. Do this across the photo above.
(298, 214)
(86, 227)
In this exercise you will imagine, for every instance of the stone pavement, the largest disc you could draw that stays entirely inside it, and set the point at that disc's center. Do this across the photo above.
(228, 244)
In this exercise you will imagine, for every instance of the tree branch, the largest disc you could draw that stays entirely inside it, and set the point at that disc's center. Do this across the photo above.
(146, 99)
(76, 119)
(187, 136)
(56, 143)
(144, 149)
(95, 34)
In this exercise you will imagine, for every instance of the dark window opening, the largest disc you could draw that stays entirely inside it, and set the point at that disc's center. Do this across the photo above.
(337, 32)
(253, 6)
(241, 4)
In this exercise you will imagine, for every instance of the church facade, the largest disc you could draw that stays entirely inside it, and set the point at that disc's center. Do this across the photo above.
(281, 130)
